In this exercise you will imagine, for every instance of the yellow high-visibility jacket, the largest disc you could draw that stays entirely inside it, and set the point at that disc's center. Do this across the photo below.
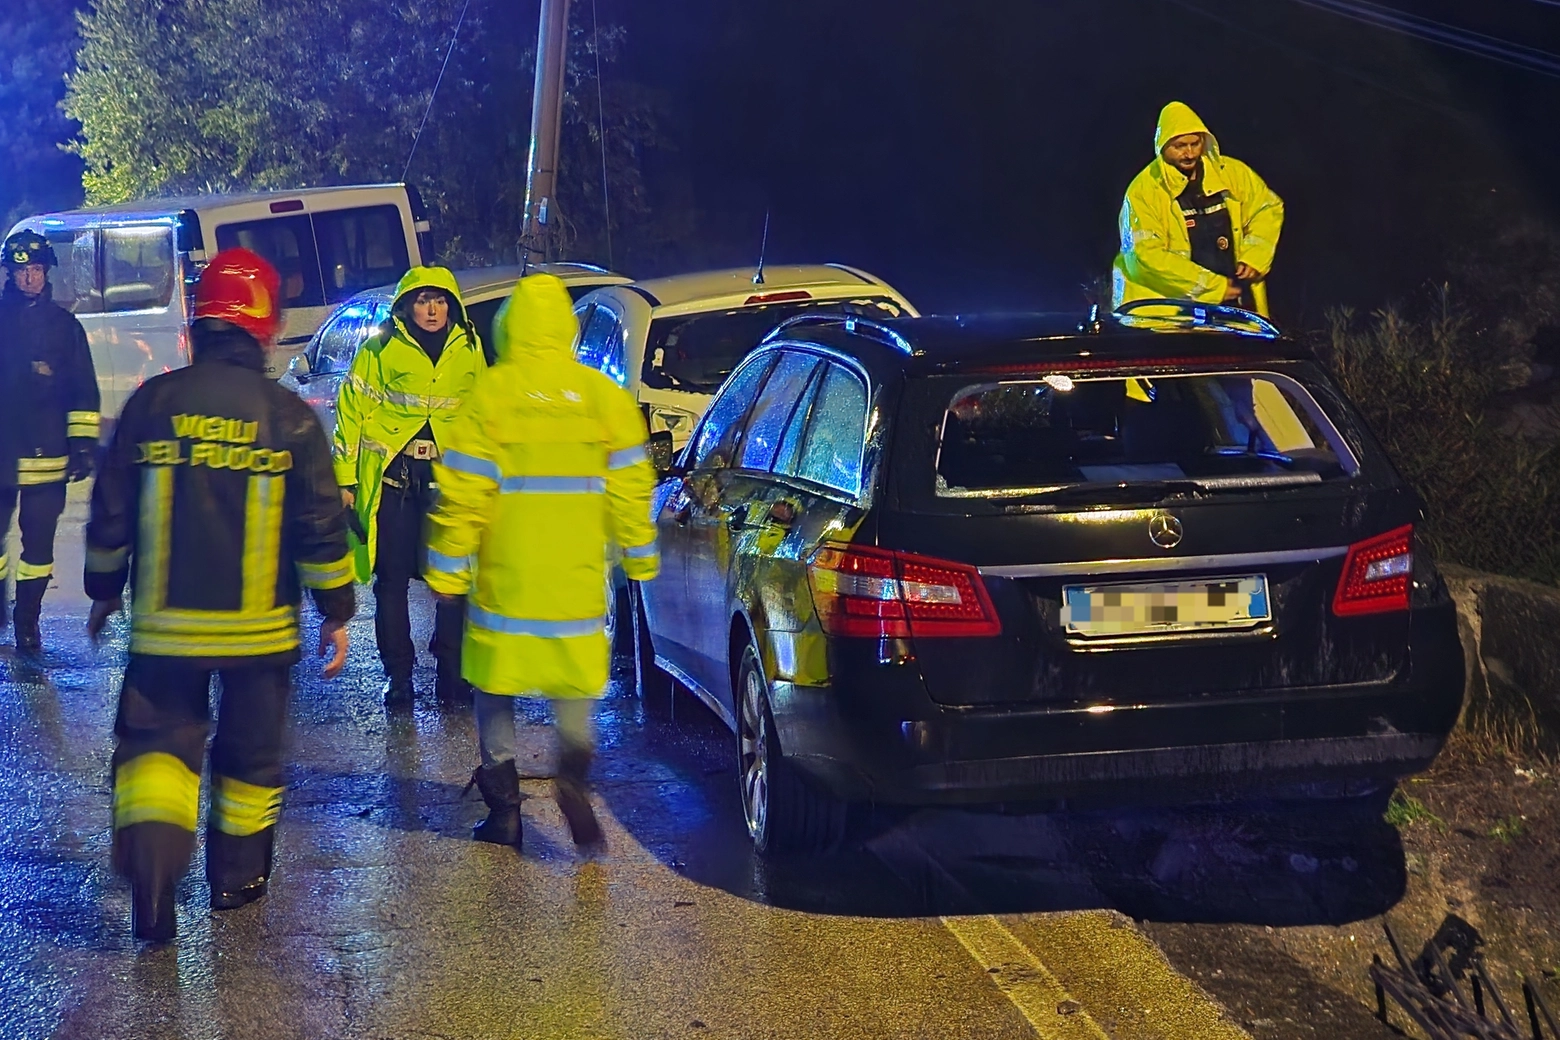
(391, 392)
(1155, 261)
(543, 479)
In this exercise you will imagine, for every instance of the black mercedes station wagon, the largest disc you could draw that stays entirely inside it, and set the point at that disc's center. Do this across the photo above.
(946, 560)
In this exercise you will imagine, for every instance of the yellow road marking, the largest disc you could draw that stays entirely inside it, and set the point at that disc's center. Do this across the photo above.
(1023, 979)
(1114, 974)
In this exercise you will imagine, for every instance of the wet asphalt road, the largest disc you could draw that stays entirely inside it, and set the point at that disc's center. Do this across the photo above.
(386, 921)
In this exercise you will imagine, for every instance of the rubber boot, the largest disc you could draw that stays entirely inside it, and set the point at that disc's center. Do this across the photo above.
(500, 787)
(238, 868)
(29, 604)
(153, 856)
(573, 792)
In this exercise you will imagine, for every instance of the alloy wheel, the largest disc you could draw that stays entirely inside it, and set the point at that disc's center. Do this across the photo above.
(754, 752)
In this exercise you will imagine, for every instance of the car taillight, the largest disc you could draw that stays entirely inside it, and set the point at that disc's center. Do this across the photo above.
(884, 594)
(1376, 574)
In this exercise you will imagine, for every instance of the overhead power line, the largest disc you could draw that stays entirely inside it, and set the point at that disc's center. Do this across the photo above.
(454, 35)
(1493, 48)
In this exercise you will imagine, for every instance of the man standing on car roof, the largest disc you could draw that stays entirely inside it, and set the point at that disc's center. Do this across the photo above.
(544, 471)
(1196, 224)
(393, 415)
(217, 494)
(48, 421)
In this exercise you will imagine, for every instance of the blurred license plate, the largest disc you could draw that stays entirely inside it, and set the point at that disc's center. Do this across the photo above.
(1165, 607)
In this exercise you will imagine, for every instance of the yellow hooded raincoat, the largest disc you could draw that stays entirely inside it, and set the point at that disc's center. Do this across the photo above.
(391, 392)
(543, 471)
(1155, 261)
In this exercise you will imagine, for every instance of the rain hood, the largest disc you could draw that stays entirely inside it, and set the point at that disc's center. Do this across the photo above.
(537, 321)
(1175, 119)
(432, 278)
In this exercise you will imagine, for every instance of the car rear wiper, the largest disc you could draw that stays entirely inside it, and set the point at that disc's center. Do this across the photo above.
(1111, 494)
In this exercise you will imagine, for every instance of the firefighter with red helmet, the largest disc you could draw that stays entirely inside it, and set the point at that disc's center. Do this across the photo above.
(48, 421)
(218, 500)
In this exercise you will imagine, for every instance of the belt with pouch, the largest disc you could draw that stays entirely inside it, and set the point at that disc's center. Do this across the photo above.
(421, 449)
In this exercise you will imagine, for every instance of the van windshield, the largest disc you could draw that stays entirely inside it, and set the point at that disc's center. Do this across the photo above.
(696, 352)
(1216, 430)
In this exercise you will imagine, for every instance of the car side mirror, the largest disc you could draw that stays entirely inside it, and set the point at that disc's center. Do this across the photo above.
(659, 448)
(298, 367)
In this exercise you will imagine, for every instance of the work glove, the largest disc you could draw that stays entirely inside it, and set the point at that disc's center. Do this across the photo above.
(82, 461)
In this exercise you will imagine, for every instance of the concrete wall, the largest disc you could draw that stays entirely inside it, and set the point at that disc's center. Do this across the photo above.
(1511, 639)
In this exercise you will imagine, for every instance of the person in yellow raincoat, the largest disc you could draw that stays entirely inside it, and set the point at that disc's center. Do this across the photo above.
(543, 480)
(1196, 224)
(393, 415)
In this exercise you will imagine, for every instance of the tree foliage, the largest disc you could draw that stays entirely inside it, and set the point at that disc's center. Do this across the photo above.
(1426, 383)
(219, 95)
(40, 39)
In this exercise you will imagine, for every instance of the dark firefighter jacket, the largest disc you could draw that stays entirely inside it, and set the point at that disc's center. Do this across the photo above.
(217, 499)
(48, 389)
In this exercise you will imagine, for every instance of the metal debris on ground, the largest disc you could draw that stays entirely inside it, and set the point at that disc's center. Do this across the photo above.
(1448, 992)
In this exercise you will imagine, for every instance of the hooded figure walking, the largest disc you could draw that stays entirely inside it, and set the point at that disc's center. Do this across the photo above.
(393, 414)
(544, 471)
(1196, 224)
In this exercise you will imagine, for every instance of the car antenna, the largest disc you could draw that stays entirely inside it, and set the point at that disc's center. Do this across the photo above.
(763, 246)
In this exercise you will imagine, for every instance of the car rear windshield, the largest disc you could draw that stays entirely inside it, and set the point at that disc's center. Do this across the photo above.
(1218, 430)
(697, 352)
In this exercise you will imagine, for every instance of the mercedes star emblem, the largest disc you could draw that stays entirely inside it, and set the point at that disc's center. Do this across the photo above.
(1164, 531)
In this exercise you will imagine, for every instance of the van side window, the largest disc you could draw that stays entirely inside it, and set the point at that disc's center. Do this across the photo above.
(359, 249)
(137, 268)
(74, 281)
(288, 243)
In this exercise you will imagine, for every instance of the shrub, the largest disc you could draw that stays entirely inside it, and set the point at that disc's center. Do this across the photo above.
(1425, 384)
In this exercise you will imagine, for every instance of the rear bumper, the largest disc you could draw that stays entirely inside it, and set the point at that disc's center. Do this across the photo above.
(879, 737)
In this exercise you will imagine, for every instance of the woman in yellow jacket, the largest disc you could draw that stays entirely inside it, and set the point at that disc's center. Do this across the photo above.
(544, 478)
(393, 417)
(1196, 224)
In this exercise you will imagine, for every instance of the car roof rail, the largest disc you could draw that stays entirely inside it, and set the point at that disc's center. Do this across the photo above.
(1190, 312)
(854, 325)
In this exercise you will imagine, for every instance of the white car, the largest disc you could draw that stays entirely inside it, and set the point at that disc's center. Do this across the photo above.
(672, 341)
(317, 373)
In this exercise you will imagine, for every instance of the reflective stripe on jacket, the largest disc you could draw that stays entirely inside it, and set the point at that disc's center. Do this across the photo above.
(1156, 251)
(392, 391)
(544, 473)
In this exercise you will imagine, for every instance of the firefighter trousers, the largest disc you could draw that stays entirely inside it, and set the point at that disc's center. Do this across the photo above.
(164, 716)
(39, 516)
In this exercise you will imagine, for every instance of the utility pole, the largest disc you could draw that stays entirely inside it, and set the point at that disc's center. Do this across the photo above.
(540, 238)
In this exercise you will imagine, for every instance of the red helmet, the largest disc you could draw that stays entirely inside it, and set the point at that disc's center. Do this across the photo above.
(241, 287)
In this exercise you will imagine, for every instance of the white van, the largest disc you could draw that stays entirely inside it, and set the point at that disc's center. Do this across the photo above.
(128, 271)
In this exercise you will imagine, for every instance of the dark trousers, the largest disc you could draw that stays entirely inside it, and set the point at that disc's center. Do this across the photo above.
(41, 506)
(163, 720)
(402, 514)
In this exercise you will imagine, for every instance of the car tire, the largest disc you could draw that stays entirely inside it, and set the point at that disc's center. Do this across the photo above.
(654, 687)
(785, 811)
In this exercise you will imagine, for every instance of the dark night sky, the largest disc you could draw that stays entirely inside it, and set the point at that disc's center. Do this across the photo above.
(975, 152)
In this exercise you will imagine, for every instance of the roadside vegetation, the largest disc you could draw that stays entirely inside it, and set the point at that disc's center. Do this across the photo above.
(1433, 381)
